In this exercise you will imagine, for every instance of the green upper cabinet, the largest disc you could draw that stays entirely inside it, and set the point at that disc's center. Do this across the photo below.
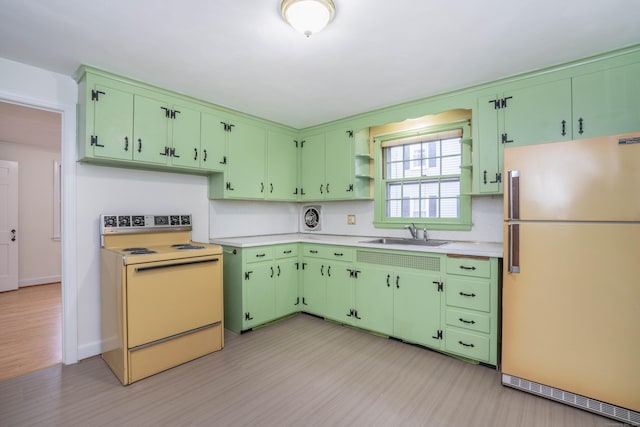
(529, 115)
(213, 154)
(165, 134)
(312, 162)
(282, 171)
(246, 148)
(336, 165)
(607, 102)
(110, 128)
(339, 164)
(245, 168)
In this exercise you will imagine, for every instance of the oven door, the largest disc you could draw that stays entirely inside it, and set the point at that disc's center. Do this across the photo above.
(167, 298)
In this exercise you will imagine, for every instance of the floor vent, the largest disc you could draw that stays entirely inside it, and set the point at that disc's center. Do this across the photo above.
(592, 405)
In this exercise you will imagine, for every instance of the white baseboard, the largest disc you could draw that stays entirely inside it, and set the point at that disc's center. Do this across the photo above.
(89, 350)
(38, 281)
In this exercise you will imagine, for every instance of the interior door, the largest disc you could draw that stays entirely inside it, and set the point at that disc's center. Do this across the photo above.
(8, 225)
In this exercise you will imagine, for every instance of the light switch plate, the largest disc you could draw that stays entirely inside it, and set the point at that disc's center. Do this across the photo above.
(351, 219)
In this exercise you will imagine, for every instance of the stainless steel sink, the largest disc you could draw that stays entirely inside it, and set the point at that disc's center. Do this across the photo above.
(400, 241)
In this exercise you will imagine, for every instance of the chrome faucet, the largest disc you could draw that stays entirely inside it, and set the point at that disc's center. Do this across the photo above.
(413, 230)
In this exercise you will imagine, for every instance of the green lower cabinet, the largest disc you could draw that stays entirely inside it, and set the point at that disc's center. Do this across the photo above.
(340, 292)
(314, 287)
(416, 307)
(259, 295)
(260, 285)
(287, 299)
(471, 308)
(374, 299)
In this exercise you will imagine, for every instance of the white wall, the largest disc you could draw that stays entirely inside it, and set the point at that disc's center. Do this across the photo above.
(103, 190)
(234, 218)
(39, 254)
(246, 218)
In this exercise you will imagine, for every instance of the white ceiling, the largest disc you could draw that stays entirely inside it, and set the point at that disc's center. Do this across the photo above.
(376, 53)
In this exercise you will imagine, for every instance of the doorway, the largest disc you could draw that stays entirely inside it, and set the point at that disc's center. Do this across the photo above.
(31, 315)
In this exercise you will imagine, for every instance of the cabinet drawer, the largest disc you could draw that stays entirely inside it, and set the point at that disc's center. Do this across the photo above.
(475, 267)
(261, 253)
(329, 252)
(315, 251)
(468, 344)
(340, 253)
(286, 251)
(469, 320)
(474, 294)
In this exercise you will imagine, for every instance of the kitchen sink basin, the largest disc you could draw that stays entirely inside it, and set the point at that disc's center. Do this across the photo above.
(400, 241)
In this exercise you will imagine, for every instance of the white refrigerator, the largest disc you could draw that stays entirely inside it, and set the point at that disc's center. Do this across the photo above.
(571, 282)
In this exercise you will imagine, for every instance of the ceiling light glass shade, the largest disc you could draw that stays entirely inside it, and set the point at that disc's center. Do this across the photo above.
(308, 16)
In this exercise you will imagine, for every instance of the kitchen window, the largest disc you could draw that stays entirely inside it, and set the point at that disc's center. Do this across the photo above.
(423, 177)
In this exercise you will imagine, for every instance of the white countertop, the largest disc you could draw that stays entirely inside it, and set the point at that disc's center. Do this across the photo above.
(488, 249)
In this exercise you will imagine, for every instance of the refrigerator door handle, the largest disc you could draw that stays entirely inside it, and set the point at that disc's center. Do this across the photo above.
(514, 248)
(514, 194)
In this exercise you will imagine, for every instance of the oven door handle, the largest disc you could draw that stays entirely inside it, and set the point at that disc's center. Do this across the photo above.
(175, 264)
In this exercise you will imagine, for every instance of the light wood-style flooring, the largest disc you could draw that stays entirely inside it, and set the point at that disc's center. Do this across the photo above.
(302, 371)
(30, 329)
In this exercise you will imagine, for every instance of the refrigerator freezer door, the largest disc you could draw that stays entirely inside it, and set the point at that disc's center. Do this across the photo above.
(571, 317)
(584, 180)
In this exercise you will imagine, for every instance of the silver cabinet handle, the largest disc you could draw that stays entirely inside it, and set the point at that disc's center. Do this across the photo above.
(514, 248)
(513, 195)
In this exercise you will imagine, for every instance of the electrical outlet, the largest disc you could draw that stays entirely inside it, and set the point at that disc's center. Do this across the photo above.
(351, 219)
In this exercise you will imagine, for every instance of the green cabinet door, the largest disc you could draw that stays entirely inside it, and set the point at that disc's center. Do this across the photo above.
(282, 172)
(213, 156)
(314, 287)
(340, 292)
(287, 299)
(606, 102)
(260, 295)
(487, 148)
(150, 130)
(339, 164)
(312, 165)
(374, 298)
(538, 114)
(185, 137)
(112, 124)
(246, 157)
(417, 308)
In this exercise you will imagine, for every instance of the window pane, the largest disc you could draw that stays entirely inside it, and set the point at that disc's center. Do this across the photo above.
(429, 189)
(451, 165)
(411, 190)
(394, 208)
(431, 167)
(394, 191)
(450, 188)
(451, 147)
(394, 170)
(450, 208)
(394, 154)
(412, 195)
(412, 169)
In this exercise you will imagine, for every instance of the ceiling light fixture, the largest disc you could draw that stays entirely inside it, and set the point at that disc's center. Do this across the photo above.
(308, 16)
